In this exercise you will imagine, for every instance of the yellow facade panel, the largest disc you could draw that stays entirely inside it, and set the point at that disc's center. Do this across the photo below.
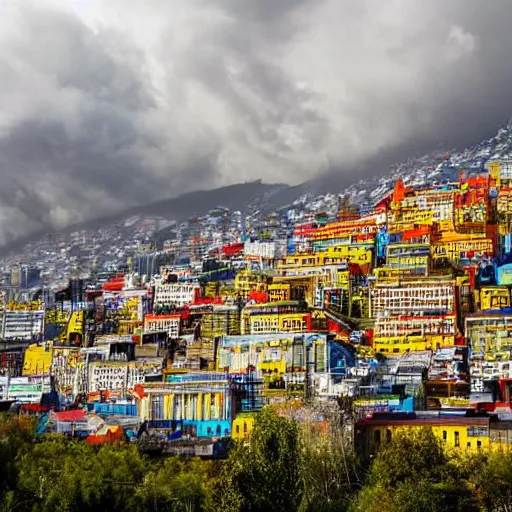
(37, 359)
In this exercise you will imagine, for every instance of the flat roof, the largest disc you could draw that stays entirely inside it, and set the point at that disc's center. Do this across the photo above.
(399, 420)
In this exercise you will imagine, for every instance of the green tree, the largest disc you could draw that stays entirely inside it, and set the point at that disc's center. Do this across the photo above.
(412, 474)
(187, 492)
(329, 477)
(175, 485)
(329, 469)
(15, 433)
(265, 475)
(490, 475)
(61, 475)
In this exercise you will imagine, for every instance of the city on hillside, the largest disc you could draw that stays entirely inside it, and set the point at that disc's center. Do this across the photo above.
(404, 308)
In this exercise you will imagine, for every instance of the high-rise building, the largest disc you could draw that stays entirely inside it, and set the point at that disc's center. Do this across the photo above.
(29, 277)
(15, 275)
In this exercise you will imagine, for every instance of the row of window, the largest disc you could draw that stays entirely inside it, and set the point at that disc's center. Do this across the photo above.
(475, 432)
(237, 428)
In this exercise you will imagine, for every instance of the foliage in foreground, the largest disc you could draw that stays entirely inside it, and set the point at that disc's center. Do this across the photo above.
(413, 473)
(280, 469)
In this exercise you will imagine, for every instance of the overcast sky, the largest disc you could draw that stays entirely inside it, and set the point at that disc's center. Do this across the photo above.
(106, 103)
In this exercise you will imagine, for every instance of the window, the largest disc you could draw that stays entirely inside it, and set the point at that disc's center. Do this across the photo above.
(376, 437)
(237, 429)
(477, 432)
(156, 407)
(445, 435)
(469, 444)
(457, 440)
(479, 444)
(245, 427)
(388, 435)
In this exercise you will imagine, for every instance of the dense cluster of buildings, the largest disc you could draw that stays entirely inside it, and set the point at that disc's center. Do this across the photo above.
(404, 307)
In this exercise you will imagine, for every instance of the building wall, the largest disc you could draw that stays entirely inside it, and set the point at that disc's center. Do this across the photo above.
(175, 294)
(494, 298)
(23, 325)
(37, 359)
(168, 323)
(458, 438)
(488, 336)
(243, 426)
(275, 323)
(457, 250)
(204, 404)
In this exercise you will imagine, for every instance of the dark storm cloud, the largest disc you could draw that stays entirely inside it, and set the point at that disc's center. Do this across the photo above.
(81, 133)
(134, 101)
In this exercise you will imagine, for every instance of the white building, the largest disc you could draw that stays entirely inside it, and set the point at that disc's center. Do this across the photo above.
(159, 323)
(175, 294)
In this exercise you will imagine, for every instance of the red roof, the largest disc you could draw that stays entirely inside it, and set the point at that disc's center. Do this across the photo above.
(234, 248)
(73, 415)
(115, 284)
(151, 316)
(34, 407)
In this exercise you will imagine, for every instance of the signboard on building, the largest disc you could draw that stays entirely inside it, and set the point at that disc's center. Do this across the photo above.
(103, 377)
(176, 294)
(27, 389)
(168, 323)
(296, 322)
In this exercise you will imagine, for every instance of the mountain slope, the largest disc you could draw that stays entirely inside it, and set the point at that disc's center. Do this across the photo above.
(364, 183)
(243, 197)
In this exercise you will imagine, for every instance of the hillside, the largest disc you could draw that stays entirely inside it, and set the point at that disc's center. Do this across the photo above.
(365, 183)
(243, 196)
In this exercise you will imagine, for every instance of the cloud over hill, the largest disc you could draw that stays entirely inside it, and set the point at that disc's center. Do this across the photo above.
(107, 104)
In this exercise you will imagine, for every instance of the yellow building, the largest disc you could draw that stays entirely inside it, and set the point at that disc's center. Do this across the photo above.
(75, 329)
(402, 344)
(415, 314)
(243, 425)
(390, 274)
(416, 256)
(130, 327)
(278, 292)
(452, 246)
(494, 297)
(37, 359)
(405, 220)
(361, 254)
(277, 323)
(221, 321)
(458, 433)
(247, 282)
(302, 287)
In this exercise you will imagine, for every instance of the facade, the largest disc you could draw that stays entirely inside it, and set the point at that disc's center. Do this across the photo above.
(414, 314)
(202, 402)
(23, 325)
(171, 324)
(178, 294)
(459, 433)
(404, 306)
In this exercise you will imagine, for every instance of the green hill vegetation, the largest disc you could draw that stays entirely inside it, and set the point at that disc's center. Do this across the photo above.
(283, 467)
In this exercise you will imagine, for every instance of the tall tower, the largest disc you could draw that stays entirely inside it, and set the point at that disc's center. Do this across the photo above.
(15, 275)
